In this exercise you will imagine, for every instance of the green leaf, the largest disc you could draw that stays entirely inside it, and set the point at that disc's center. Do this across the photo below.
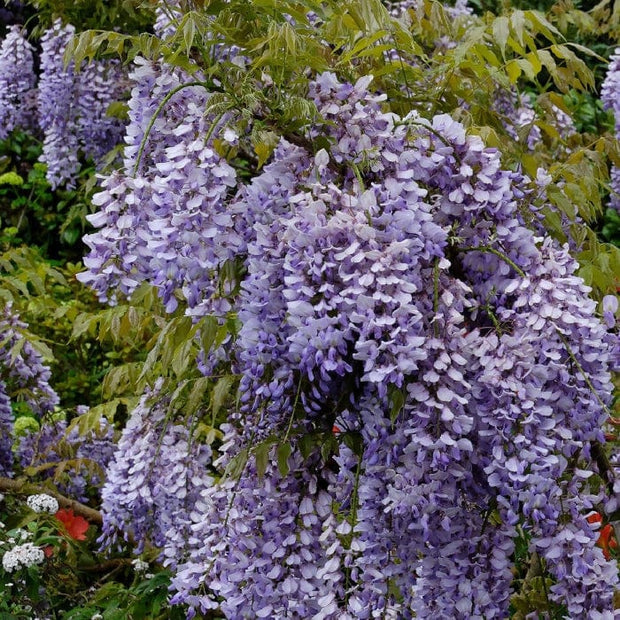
(354, 441)
(501, 32)
(261, 454)
(221, 393)
(236, 465)
(284, 451)
(517, 21)
(397, 400)
(208, 328)
(329, 446)
(513, 70)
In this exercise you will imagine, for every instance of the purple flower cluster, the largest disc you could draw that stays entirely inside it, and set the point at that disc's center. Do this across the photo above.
(72, 107)
(393, 289)
(6, 433)
(272, 544)
(99, 85)
(22, 375)
(52, 444)
(160, 223)
(610, 95)
(154, 480)
(57, 107)
(17, 82)
(22, 367)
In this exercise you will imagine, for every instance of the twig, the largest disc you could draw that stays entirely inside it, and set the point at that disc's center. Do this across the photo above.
(21, 486)
(107, 565)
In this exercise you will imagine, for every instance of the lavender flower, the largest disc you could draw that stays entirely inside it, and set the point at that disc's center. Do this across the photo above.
(73, 108)
(57, 107)
(611, 101)
(17, 82)
(22, 366)
(184, 182)
(99, 84)
(154, 480)
(6, 433)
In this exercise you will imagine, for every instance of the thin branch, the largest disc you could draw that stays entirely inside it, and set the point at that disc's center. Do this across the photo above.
(21, 486)
(490, 250)
(105, 566)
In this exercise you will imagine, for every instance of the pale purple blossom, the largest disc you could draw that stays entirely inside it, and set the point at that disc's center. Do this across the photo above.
(17, 83)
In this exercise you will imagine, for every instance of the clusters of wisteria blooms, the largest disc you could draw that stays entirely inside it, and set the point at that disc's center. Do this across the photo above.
(6, 432)
(73, 106)
(68, 106)
(22, 374)
(17, 82)
(155, 480)
(52, 444)
(610, 96)
(160, 215)
(392, 294)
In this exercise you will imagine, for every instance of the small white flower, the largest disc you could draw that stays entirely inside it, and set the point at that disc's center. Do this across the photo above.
(230, 136)
(18, 534)
(140, 566)
(543, 178)
(96, 617)
(24, 555)
(43, 503)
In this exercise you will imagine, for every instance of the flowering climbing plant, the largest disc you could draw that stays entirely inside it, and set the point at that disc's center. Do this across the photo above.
(382, 383)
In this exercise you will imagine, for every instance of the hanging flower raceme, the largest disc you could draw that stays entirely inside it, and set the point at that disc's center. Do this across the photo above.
(155, 479)
(160, 215)
(610, 96)
(57, 106)
(73, 107)
(6, 433)
(21, 369)
(17, 83)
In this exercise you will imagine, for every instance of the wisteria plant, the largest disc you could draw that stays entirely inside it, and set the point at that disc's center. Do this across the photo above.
(383, 380)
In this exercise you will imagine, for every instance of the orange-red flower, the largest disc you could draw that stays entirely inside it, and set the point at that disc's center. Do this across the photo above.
(76, 526)
(606, 539)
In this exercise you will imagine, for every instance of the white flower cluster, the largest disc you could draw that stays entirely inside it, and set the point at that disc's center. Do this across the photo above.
(43, 503)
(140, 566)
(24, 555)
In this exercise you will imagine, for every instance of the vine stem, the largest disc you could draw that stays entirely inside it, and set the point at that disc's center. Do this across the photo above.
(490, 250)
(23, 487)
(290, 421)
(544, 581)
(575, 361)
(157, 112)
(436, 295)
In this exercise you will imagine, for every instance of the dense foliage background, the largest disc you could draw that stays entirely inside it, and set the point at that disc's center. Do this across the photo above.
(308, 309)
